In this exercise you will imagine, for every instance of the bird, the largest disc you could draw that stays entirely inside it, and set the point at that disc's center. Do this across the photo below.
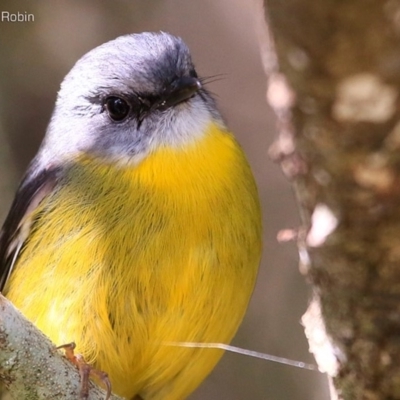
(137, 225)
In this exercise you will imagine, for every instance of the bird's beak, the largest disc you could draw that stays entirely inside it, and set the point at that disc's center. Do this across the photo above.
(180, 90)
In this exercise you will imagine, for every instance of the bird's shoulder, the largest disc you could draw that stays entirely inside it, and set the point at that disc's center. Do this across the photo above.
(37, 184)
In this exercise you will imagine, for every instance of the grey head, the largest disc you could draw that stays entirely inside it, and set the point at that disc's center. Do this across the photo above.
(127, 97)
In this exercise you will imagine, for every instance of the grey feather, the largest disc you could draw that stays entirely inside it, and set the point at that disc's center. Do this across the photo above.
(143, 65)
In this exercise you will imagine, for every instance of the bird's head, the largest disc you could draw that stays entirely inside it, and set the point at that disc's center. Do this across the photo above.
(127, 97)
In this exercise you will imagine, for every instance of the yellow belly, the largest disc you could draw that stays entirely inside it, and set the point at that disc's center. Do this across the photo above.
(126, 260)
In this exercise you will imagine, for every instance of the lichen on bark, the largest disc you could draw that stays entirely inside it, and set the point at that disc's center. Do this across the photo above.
(341, 62)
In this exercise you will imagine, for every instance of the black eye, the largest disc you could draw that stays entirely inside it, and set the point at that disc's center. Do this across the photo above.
(117, 108)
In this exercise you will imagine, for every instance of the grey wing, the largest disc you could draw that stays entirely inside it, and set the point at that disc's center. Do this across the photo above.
(34, 187)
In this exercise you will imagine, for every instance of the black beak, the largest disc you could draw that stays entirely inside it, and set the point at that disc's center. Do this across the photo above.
(180, 90)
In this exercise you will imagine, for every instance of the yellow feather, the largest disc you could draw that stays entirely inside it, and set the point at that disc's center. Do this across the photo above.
(125, 260)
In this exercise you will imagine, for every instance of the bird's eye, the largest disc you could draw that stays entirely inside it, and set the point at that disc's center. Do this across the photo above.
(117, 108)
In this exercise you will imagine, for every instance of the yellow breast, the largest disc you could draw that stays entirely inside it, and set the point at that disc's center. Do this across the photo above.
(126, 260)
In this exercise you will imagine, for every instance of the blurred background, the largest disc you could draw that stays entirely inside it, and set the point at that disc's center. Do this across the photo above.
(223, 36)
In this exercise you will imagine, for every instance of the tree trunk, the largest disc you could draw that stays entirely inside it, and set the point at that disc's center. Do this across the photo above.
(339, 138)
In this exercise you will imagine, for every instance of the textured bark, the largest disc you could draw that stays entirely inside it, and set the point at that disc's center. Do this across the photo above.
(338, 112)
(30, 365)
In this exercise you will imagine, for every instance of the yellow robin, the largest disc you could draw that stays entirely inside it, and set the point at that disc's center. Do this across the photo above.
(137, 225)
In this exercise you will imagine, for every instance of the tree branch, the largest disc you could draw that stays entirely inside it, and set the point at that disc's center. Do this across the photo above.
(30, 365)
(339, 140)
